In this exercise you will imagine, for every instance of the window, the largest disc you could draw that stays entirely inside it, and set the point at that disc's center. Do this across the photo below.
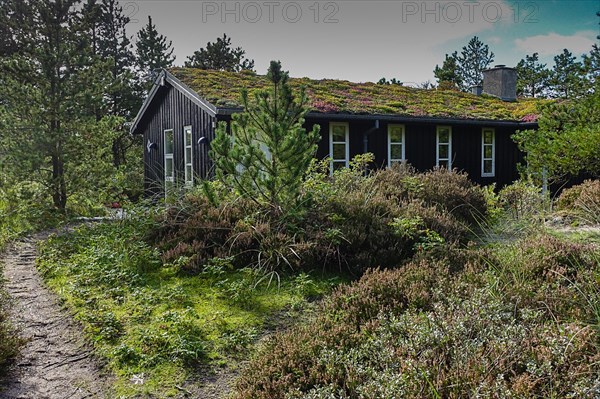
(444, 147)
(395, 144)
(169, 167)
(338, 145)
(488, 152)
(188, 155)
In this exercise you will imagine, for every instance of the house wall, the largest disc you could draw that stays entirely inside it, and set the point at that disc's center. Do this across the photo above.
(172, 110)
(420, 147)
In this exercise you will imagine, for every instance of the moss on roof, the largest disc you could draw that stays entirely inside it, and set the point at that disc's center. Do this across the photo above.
(222, 89)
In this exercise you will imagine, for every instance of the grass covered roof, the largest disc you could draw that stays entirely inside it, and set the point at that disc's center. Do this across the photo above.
(222, 89)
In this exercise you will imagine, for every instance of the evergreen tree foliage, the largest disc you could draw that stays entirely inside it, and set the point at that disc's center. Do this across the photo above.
(106, 24)
(568, 139)
(152, 52)
(448, 76)
(591, 66)
(392, 81)
(474, 58)
(532, 77)
(51, 87)
(220, 56)
(268, 151)
(567, 80)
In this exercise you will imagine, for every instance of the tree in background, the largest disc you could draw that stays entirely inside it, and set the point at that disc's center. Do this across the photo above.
(474, 58)
(465, 70)
(567, 76)
(392, 81)
(124, 91)
(591, 66)
(54, 97)
(568, 139)
(152, 52)
(532, 77)
(46, 85)
(268, 152)
(448, 76)
(220, 56)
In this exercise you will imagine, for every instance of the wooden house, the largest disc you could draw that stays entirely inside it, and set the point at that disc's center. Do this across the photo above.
(425, 128)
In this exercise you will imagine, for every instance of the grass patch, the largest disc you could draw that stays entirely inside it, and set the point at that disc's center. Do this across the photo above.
(10, 343)
(151, 321)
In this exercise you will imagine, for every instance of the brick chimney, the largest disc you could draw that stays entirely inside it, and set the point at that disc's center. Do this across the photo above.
(501, 81)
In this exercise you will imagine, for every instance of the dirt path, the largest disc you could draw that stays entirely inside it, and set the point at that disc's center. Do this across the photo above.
(55, 362)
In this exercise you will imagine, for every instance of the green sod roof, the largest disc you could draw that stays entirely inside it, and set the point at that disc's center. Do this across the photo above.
(222, 89)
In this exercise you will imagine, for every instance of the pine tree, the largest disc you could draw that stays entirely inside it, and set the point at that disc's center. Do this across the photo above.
(220, 56)
(268, 151)
(532, 77)
(474, 58)
(48, 84)
(152, 52)
(448, 75)
(124, 92)
(566, 78)
(591, 66)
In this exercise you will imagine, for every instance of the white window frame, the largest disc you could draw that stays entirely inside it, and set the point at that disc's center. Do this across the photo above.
(483, 158)
(346, 142)
(390, 143)
(437, 146)
(189, 178)
(168, 156)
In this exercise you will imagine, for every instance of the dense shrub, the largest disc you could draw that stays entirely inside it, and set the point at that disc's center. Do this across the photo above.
(556, 276)
(521, 321)
(455, 193)
(351, 222)
(522, 199)
(583, 201)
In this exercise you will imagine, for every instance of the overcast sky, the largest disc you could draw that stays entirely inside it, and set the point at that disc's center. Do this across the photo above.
(365, 40)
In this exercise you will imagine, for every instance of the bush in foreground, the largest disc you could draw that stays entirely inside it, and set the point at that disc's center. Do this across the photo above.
(351, 222)
(521, 321)
(582, 201)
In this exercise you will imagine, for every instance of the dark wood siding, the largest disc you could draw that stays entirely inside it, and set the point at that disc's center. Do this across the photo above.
(420, 147)
(171, 109)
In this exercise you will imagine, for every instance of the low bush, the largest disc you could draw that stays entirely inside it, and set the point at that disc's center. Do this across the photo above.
(522, 199)
(583, 201)
(353, 221)
(514, 321)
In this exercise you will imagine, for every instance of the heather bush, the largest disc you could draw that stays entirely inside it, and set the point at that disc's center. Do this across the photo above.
(519, 320)
(522, 199)
(582, 201)
(351, 221)
(556, 275)
(454, 192)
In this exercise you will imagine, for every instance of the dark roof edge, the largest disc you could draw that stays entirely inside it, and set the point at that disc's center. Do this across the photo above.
(191, 94)
(163, 76)
(401, 118)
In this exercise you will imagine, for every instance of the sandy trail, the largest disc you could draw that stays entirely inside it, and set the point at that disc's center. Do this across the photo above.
(55, 362)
